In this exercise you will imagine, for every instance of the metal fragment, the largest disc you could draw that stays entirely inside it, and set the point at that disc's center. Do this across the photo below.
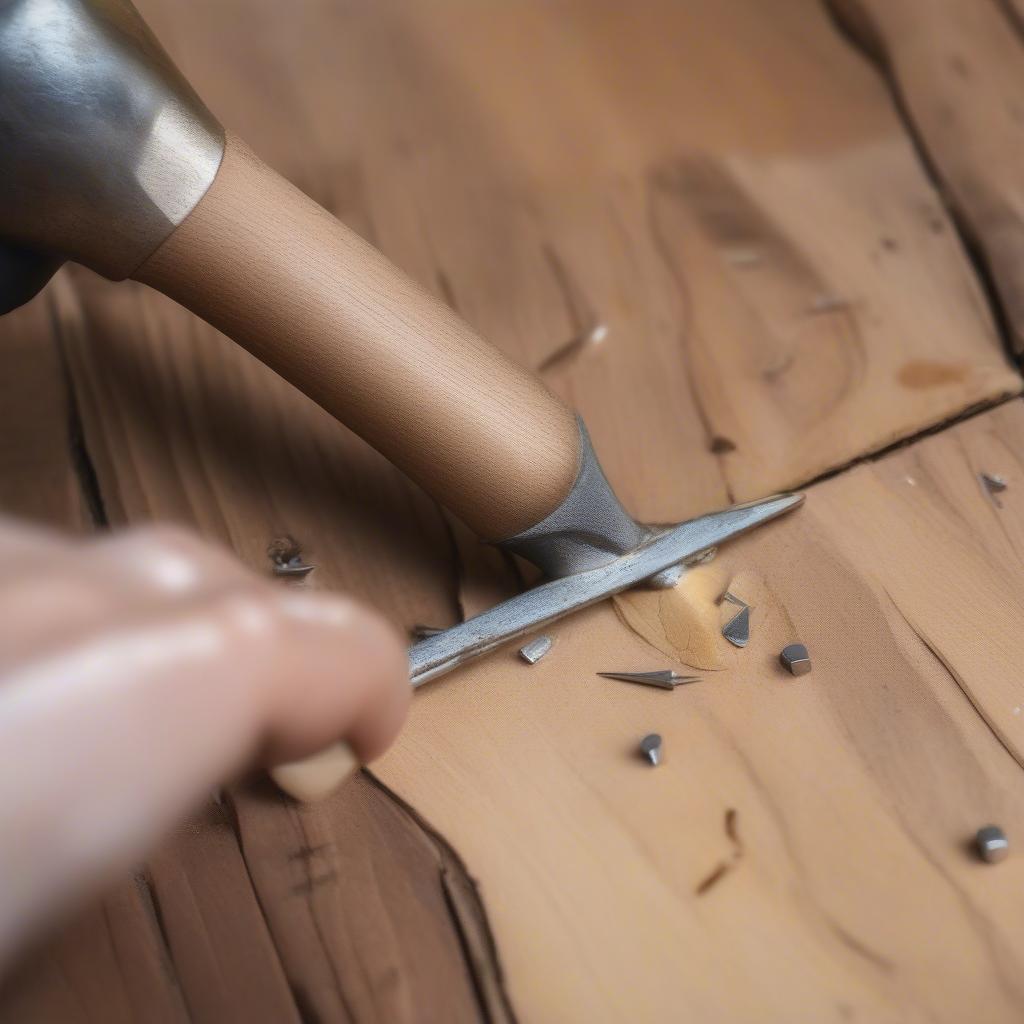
(665, 680)
(737, 629)
(532, 652)
(991, 844)
(650, 748)
(994, 483)
(795, 659)
(536, 608)
(733, 599)
(294, 568)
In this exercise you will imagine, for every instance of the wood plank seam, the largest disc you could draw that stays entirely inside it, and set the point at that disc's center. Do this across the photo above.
(470, 921)
(854, 23)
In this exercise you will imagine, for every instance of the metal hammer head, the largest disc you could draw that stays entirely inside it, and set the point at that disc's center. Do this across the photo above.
(104, 147)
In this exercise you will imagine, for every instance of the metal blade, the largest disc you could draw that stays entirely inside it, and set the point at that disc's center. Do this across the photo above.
(666, 680)
(439, 654)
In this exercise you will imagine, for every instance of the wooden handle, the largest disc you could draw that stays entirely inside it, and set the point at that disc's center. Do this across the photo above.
(274, 271)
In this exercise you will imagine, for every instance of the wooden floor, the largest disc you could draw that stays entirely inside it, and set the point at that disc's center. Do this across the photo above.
(710, 228)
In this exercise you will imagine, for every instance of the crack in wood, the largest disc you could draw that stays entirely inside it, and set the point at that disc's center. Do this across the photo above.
(855, 25)
(78, 447)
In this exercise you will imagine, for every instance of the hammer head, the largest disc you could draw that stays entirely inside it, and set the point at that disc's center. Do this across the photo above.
(104, 147)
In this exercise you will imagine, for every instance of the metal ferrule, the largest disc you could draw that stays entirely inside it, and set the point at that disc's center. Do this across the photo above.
(590, 528)
(104, 147)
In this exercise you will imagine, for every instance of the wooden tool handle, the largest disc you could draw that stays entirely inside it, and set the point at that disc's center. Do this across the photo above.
(274, 271)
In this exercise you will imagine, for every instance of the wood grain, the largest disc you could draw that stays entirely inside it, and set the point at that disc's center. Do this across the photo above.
(843, 888)
(664, 172)
(307, 296)
(958, 68)
(365, 927)
(711, 217)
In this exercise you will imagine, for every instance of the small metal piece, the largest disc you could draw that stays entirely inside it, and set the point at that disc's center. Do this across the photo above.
(991, 844)
(294, 568)
(650, 748)
(796, 659)
(737, 629)
(994, 483)
(733, 599)
(524, 613)
(666, 680)
(421, 632)
(535, 649)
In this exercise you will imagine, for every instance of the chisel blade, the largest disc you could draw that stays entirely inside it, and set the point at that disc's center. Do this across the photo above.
(436, 655)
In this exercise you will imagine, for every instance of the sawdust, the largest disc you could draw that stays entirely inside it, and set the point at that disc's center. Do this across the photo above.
(683, 622)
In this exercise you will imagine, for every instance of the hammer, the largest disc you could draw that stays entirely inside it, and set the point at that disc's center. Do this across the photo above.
(110, 159)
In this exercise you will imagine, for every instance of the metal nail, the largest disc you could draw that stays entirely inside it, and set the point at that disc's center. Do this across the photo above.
(737, 629)
(994, 483)
(650, 748)
(535, 649)
(665, 680)
(294, 568)
(991, 844)
(795, 659)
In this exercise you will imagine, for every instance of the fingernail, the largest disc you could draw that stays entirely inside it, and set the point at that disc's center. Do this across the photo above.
(316, 777)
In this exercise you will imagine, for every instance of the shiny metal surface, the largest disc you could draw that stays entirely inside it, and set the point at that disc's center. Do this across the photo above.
(533, 609)
(104, 147)
(795, 659)
(532, 652)
(664, 680)
(590, 528)
(737, 629)
(991, 844)
(650, 749)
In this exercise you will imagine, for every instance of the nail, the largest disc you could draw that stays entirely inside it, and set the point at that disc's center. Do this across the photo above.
(535, 649)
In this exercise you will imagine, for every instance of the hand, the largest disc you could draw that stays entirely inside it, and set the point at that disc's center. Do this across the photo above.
(138, 672)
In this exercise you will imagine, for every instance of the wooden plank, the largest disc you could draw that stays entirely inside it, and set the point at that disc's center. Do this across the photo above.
(368, 929)
(189, 942)
(601, 188)
(800, 853)
(109, 961)
(109, 964)
(664, 171)
(958, 68)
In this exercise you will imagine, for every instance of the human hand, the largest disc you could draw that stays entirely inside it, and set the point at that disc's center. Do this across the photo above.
(141, 670)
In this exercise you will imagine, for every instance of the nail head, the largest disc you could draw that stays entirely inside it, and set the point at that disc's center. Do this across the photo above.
(795, 659)
(991, 844)
(650, 748)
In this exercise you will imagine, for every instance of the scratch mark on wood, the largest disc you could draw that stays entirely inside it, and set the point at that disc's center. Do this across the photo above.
(573, 348)
(724, 866)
